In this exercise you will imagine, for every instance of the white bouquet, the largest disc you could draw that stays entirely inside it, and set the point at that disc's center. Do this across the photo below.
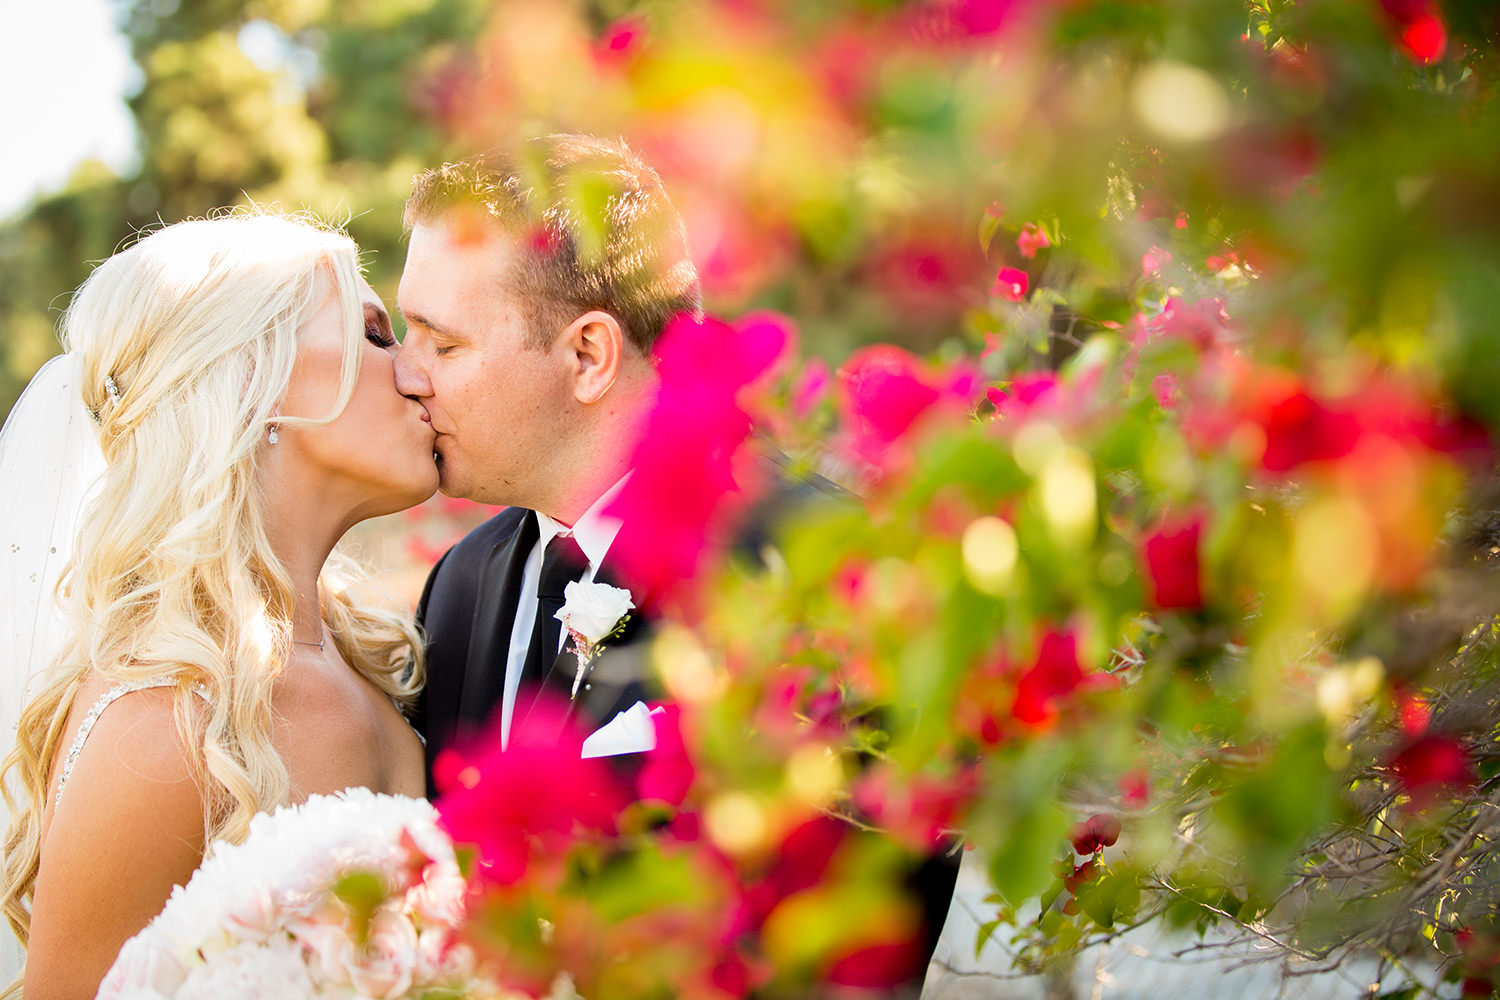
(348, 895)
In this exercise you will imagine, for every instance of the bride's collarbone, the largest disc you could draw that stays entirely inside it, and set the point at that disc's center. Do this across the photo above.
(335, 729)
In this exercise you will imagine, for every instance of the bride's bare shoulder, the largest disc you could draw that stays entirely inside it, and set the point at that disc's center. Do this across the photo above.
(127, 827)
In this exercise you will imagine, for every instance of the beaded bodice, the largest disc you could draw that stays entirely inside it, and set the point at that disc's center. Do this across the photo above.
(104, 701)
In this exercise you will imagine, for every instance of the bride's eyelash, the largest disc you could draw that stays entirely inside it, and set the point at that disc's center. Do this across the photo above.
(378, 337)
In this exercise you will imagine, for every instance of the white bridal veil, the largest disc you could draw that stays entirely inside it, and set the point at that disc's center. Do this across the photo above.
(49, 462)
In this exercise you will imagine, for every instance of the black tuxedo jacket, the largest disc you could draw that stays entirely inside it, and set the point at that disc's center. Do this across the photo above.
(468, 609)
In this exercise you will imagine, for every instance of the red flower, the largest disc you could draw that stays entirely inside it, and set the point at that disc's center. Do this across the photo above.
(1011, 283)
(1300, 429)
(1055, 675)
(1418, 27)
(1173, 569)
(1431, 766)
(1095, 834)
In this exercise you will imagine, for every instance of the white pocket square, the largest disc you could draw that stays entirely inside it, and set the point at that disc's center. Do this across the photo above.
(631, 731)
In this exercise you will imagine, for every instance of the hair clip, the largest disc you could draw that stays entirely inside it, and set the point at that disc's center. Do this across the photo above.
(110, 389)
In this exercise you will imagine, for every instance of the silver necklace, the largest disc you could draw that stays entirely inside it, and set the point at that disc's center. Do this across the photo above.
(303, 642)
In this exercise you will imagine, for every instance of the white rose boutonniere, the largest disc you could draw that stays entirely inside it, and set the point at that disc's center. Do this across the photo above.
(592, 613)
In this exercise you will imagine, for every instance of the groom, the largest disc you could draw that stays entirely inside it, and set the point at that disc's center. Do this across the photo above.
(529, 336)
(530, 330)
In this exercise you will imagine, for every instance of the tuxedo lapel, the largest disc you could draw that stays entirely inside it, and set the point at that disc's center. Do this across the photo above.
(494, 618)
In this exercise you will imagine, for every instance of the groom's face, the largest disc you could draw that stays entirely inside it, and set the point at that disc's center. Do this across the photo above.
(500, 406)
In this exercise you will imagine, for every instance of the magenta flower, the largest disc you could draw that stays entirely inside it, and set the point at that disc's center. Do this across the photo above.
(686, 486)
(1011, 283)
(884, 391)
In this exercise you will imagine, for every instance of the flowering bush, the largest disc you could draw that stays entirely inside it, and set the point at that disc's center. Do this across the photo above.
(1175, 527)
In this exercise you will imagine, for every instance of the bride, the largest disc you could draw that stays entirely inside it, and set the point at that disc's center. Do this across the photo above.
(211, 660)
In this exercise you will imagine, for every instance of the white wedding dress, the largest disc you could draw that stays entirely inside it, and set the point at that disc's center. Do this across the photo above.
(49, 464)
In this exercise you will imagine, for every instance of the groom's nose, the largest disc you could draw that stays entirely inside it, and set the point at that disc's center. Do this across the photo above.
(411, 374)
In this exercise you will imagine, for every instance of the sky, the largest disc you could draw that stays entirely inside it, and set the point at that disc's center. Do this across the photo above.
(64, 71)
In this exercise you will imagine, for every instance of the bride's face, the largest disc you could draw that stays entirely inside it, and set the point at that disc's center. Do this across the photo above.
(378, 451)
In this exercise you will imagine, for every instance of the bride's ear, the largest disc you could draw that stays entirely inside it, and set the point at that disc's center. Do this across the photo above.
(597, 345)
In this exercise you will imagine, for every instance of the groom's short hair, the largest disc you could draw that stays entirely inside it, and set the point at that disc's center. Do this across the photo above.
(592, 226)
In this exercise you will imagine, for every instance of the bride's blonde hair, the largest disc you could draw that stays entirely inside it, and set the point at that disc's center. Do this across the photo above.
(188, 340)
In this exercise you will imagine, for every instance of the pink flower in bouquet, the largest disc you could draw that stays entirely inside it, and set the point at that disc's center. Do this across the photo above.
(1174, 572)
(384, 968)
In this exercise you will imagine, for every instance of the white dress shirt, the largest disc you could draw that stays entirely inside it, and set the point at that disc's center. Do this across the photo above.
(595, 532)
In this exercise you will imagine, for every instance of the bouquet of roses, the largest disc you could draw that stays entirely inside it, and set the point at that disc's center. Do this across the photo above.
(347, 895)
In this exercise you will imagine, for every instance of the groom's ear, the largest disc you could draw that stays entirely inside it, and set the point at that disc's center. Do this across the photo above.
(598, 347)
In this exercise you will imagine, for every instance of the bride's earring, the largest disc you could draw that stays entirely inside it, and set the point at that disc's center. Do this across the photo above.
(273, 437)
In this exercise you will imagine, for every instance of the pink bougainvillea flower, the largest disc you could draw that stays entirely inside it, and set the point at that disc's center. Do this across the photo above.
(1095, 834)
(1203, 323)
(1164, 388)
(686, 487)
(668, 772)
(993, 343)
(1153, 260)
(1031, 240)
(1174, 572)
(1135, 789)
(1055, 674)
(811, 387)
(1011, 283)
(528, 801)
(1432, 766)
(621, 40)
(1024, 393)
(918, 810)
(884, 392)
(1182, 220)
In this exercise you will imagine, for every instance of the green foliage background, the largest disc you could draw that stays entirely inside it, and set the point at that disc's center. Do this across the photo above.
(339, 129)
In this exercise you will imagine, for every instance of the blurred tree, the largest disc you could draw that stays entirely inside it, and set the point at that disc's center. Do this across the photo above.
(302, 104)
